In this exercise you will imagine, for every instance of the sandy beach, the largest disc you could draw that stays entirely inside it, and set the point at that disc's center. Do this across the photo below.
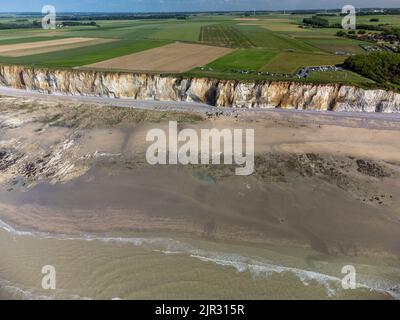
(324, 192)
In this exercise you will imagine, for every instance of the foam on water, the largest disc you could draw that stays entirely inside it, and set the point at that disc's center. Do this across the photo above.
(256, 267)
(18, 292)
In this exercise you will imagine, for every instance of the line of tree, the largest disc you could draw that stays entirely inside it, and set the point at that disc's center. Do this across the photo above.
(11, 25)
(394, 32)
(383, 12)
(319, 22)
(390, 33)
(316, 22)
(371, 27)
(78, 23)
(122, 17)
(326, 15)
(38, 24)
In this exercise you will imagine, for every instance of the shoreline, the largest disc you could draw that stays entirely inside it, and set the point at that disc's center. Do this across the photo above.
(326, 187)
(231, 260)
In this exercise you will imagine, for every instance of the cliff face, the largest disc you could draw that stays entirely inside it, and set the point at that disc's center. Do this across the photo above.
(223, 93)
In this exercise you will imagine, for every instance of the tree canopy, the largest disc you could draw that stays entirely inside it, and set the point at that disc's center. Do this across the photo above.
(382, 67)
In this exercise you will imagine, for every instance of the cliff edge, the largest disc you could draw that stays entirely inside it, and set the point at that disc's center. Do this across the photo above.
(221, 93)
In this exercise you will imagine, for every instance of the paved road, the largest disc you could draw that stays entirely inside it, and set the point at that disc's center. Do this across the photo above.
(193, 106)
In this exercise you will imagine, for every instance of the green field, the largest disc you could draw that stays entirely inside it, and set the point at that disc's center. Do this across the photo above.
(263, 38)
(86, 55)
(4, 41)
(180, 31)
(272, 43)
(289, 62)
(342, 77)
(335, 45)
(224, 36)
(243, 59)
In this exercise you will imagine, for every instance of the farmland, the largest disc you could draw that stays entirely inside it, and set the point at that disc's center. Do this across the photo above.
(268, 46)
(221, 35)
(175, 57)
(244, 59)
(345, 76)
(31, 48)
(289, 62)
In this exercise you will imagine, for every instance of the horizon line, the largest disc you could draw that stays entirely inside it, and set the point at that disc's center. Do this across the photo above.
(196, 11)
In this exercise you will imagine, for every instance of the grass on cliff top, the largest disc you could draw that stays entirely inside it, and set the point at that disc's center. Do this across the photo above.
(243, 59)
(290, 62)
(266, 60)
(345, 78)
(342, 77)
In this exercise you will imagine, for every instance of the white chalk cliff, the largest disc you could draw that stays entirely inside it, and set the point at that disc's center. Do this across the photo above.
(221, 93)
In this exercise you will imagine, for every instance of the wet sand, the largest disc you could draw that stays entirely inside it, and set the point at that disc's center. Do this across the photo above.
(76, 189)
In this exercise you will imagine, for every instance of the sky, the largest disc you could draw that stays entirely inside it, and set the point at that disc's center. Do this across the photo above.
(185, 5)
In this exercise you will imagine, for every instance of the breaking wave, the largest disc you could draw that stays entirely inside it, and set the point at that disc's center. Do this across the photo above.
(256, 267)
(18, 292)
